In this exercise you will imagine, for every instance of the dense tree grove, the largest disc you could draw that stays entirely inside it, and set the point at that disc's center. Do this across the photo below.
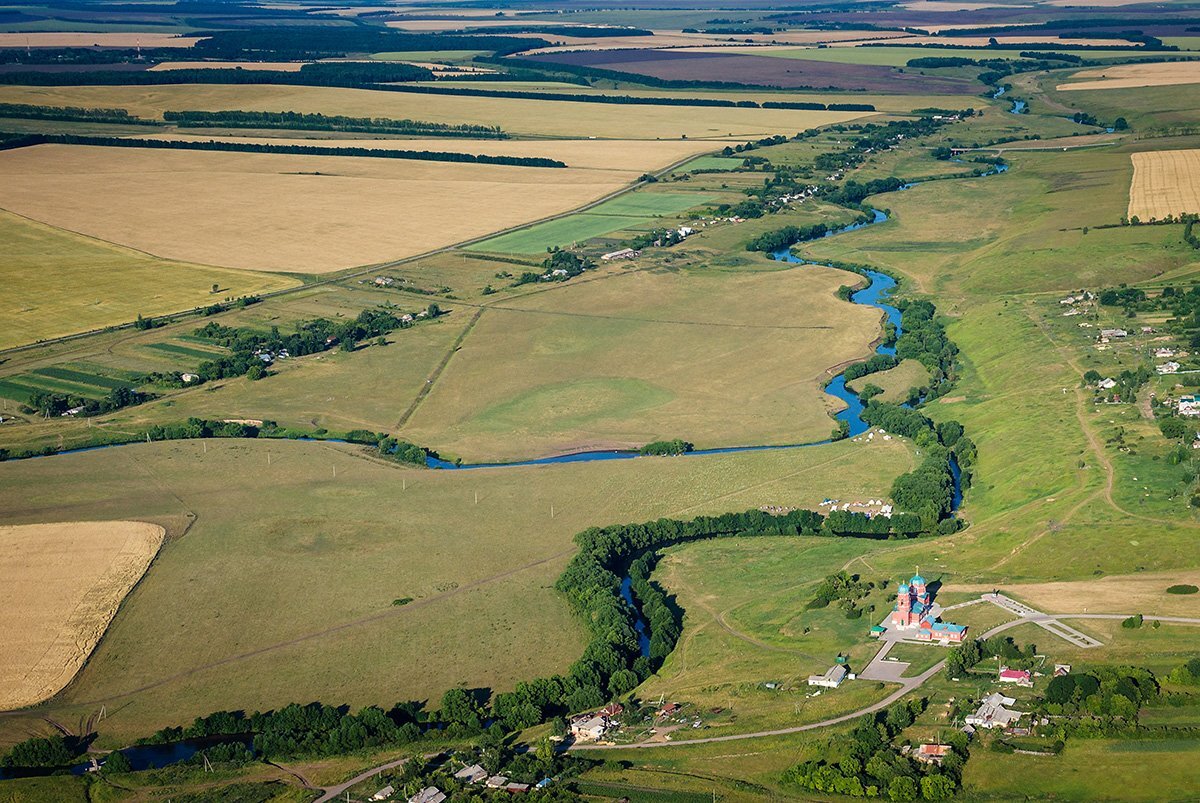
(1102, 701)
(51, 751)
(323, 122)
(27, 140)
(869, 765)
(965, 656)
(671, 447)
(924, 339)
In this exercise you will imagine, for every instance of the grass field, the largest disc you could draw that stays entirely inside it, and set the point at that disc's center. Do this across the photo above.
(636, 211)
(58, 283)
(480, 572)
(518, 116)
(895, 382)
(92, 39)
(1165, 183)
(311, 214)
(743, 629)
(646, 356)
(893, 56)
(62, 584)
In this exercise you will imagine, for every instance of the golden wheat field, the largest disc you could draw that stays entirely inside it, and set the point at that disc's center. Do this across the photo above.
(282, 212)
(1127, 76)
(1165, 183)
(60, 585)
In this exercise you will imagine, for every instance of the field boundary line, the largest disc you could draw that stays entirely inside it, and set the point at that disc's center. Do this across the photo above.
(436, 374)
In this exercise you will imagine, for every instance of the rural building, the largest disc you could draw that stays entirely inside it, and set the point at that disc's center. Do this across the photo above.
(384, 281)
(1167, 368)
(993, 713)
(932, 753)
(188, 378)
(624, 253)
(1113, 334)
(517, 788)
(667, 710)
(384, 793)
(589, 727)
(430, 794)
(471, 774)
(832, 678)
(1164, 353)
(497, 782)
(1106, 384)
(1061, 669)
(1188, 406)
(1022, 677)
(912, 612)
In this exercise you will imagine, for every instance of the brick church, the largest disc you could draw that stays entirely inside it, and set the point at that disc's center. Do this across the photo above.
(913, 611)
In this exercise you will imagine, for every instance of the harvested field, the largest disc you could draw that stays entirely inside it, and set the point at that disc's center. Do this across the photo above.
(60, 585)
(1164, 183)
(517, 116)
(759, 70)
(304, 214)
(1125, 76)
(87, 39)
(1081, 141)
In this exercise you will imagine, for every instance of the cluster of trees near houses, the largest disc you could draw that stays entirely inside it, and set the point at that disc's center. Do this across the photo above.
(49, 404)
(322, 122)
(26, 140)
(570, 263)
(870, 765)
(964, 657)
(310, 337)
(845, 589)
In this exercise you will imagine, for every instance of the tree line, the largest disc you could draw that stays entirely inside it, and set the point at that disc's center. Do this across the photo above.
(362, 75)
(322, 122)
(27, 140)
(72, 114)
(627, 100)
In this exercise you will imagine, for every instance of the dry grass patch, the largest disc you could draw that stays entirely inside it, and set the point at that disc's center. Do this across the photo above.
(1141, 593)
(1165, 183)
(60, 585)
(519, 116)
(1126, 76)
(273, 212)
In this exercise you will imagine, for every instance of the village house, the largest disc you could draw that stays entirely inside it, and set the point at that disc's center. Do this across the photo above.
(384, 793)
(430, 794)
(497, 782)
(1113, 334)
(667, 710)
(1167, 368)
(1188, 406)
(932, 753)
(588, 727)
(993, 712)
(1022, 677)
(832, 678)
(471, 774)
(1164, 353)
(384, 281)
(913, 612)
(1106, 384)
(1061, 670)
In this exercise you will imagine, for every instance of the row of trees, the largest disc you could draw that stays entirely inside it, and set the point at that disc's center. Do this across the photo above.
(323, 122)
(259, 147)
(363, 75)
(71, 113)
